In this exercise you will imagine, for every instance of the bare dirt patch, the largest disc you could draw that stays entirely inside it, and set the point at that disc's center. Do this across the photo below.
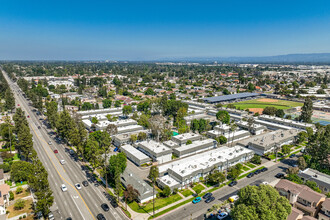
(267, 100)
(255, 110)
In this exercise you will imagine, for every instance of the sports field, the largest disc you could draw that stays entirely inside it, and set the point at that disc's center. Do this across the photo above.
(259, 104)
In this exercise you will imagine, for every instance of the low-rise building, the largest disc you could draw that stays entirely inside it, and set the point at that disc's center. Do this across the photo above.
(301, 197)
(285, 122)
(268, 142)
(225, 130)
(4, 198)
(110, 111)
(324, 213)
(194, 148)
(254, 128)
(135, 155)
(125, 138)
(145, 191)
(183, 138)
(156, 151)
(321, 179)
(189, 169)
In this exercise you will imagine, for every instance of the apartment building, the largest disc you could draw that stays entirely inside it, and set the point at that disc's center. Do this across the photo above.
(324, 213)
(321, 179)
(183, 138)
(135, 155)
(156, 151)
(301, 197)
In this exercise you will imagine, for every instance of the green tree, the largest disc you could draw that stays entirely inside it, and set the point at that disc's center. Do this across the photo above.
(189, 142)
(153, 173)
(256, 159)
(20, 171)
(142, 136)
(133, 138)
(95, 120)
(286, 149)
(223, 116)
(279, 113)
(9, 100)
(51, 112)
(234, 172)
(149, 91)
(25, 144)
(92, 152)
(216, 177)
(221, 139)
(19, 204)
(262, 202)
(302, 136)
(127, 109)
(106, 103)
(166, 191)
(269, 110)
(117, 104)
(307, 111)
(19, 190)
(194, 125)
(117, 164)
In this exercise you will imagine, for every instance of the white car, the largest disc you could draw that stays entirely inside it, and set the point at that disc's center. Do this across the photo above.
(233, 198)
(63, 187)
(78, 186)
(222, 215)
(264, 183)
(62, 162)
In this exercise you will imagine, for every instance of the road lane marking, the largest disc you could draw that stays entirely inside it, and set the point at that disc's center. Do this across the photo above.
(60, 174)
(78, 207)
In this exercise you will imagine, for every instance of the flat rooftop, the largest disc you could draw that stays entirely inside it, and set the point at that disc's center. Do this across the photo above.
(189, 165)
(286, 121)
(153, 146)
(231, 97)
(135, 152)
(186, 136)
(195, 144)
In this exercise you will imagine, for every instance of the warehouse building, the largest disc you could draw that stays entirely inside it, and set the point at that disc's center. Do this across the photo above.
(135, 155)
(194, 148)
(267, 142)
(188, 170)
(155, 150)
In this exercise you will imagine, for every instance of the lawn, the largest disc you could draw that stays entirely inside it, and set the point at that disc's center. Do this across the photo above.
(250, 165)
(27, 209)
(259, 103)
(198, 187)
(245, 168)
(186, 193)
(159, 203)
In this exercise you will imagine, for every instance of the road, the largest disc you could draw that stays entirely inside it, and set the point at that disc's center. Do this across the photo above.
(81, 204)
(197, 211)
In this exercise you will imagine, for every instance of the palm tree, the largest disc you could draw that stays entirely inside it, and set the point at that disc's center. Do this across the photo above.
(250, 122)
(233, 128)
(112, 129)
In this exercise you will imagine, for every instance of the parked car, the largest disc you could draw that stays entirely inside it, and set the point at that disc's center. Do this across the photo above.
(279, 175)
(233, 198)
(55, 151)
(100, 217)
(222, 215)
(51, 216)
(194, 194)
(257, 172)
(63, 187)
(250, 175)
(210, 199)
(207, 195)
(105, 207)
(233, 183)
(292, 155)
(85, 183)
(197, 200)
(264, 169)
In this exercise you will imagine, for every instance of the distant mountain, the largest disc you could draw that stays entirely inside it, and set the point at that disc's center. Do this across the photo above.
(309, 58)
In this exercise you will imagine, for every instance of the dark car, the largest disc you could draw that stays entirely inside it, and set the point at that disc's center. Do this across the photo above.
(257, 172)
(250, 175)
(233, 183)
(194, 194)
(292, 155)
(279, 175)
(210, 199)
(114, 202)
(264, 169)
(105, 207)
(207, 195)
(100, 217)
(85, 183)
(69, 218)
(39, 127)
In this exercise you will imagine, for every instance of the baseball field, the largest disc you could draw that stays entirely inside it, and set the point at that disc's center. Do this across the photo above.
(257, 105)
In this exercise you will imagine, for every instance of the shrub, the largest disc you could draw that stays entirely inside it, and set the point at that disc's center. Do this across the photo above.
(166, 191)
(11, 196)
(19, 190)
(198, 191)
(24, 216)
(175, 191)
(20, 217)
(256, 159)
(19, 204)
(189, 142)
(5, 167)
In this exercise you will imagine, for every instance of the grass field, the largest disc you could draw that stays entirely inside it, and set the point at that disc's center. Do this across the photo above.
(263, 103)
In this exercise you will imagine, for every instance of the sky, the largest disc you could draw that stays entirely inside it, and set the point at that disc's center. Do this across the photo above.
(158, 29)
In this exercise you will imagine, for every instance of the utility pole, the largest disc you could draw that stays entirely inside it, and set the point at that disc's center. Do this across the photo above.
(153, 196)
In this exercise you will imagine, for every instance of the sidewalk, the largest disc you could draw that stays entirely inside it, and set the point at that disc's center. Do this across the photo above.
(144, 216)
